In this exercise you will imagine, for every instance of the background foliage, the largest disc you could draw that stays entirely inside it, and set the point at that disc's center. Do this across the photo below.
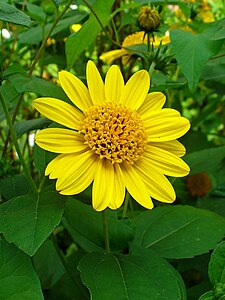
(52, 246)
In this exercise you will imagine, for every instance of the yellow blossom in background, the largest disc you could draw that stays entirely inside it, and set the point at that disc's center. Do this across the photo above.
(134, 39)
(76, 27)
(117, 136)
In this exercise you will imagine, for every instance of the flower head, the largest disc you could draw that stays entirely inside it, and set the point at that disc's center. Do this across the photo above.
(148, 19)
(117, 136)
(134, 39)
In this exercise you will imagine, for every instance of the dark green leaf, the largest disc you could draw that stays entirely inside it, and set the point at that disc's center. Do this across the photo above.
(29, 219)
(18, 280)
(29, 125)
(110, 277)
(78, 42)
(42, 158)
(192, 53)
(178, 231)
(9, 13)
(48, 265)
(85, 225)
(36, 12)
(217, 265)
(207, 296)
(10, 96)
(40, 86)
(11, 187)
(35, 34)
(205, 160)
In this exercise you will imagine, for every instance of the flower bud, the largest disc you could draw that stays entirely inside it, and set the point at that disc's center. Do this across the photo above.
(148, 19)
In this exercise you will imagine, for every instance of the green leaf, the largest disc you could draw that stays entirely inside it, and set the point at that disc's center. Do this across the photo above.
(36, 12)
(42, 158)
(18, 280)
(178, 231)
(205, 160)
(40, 86)
(48, 265)
(85, 226)
(217, 265)
(35, 35)
(29, 219)
(11, 187)
(10, 96)
(9, 13)
(192, 53)
(130, 277)
(29, 125)
(81, 40)
(207, 296)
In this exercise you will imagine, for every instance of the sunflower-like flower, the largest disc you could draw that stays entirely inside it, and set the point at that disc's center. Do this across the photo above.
(134, 39)
(117, 136)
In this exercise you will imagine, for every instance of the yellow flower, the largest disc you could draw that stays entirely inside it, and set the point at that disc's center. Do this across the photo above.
(134, 39)
(118, 137)
(76, 27)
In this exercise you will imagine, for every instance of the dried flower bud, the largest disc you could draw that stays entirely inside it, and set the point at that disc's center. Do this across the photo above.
(148, 19)
(198, 184)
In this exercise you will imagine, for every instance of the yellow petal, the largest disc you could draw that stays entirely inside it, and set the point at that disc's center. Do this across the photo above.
(151, 116)
(153, 101)
(95, 84)
(157, 184)
(53, 165)
(63, 162)
(78, 177)
(119, 188)
(135, 186)
(59, 112)
(110, 56)
(114, 84)
(102, 190)
(60, 140)
(136, 89)
(165, 162)
(75, 90)
(174, 147)
(165, 125)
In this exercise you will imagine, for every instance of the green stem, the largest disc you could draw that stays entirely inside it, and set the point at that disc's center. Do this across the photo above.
(15, 142)
(106, 232)
(67, 268)
(126, 201)
(152, 68)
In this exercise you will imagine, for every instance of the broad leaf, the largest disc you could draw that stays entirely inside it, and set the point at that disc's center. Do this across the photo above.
(206, 160)
(207, 296)
(192, 52)
(18, 280)
(9, 13)
(85, 226)
(22, 127)
(217, 265)
(178, 231)
(40, 86)
(48, 264)
(81, 40)
(130, 277)
(10, 95)
(29, 219)
(14, 186)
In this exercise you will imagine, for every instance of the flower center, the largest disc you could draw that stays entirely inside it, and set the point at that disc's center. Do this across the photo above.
(115, 132)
